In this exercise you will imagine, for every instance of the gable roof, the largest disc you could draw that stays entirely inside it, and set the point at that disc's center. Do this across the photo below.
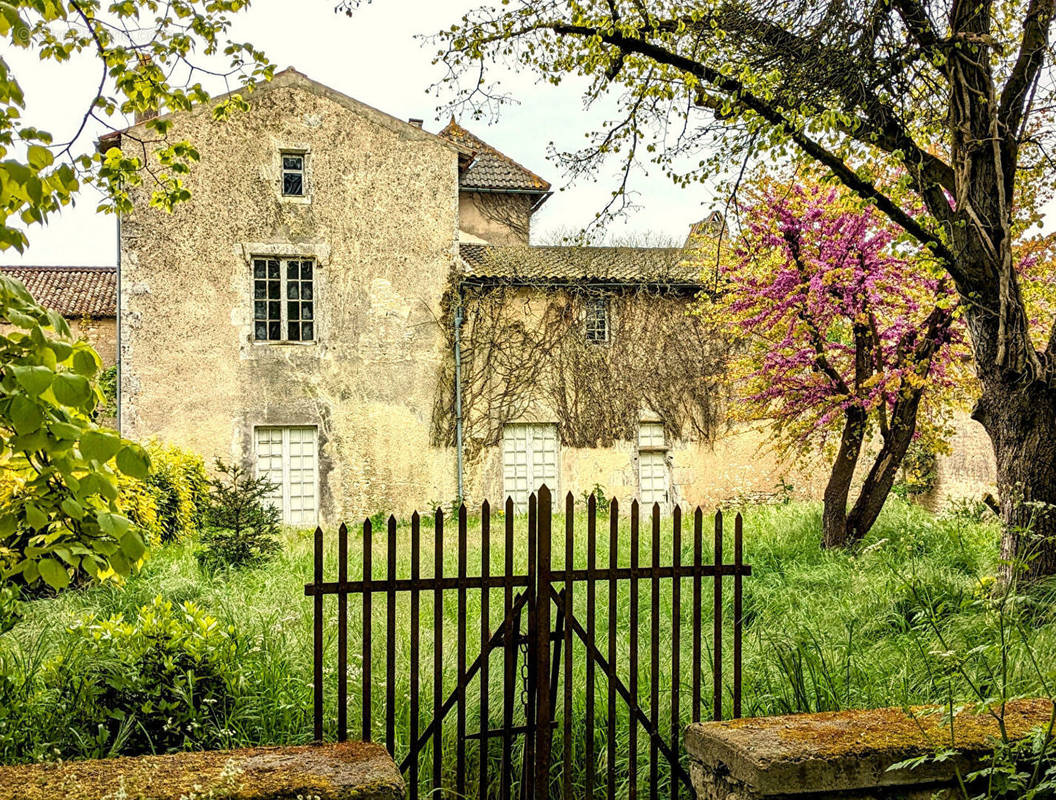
(491, 170)
(291, 77)
(72, 291)
(662, 266)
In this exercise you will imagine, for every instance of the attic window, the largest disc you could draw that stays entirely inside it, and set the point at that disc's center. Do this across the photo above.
(597, 320)
(292, 174)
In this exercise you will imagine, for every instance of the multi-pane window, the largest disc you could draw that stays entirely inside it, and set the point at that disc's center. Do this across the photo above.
(283, 299)
(597, 319)
(293, 174)
(652, 464)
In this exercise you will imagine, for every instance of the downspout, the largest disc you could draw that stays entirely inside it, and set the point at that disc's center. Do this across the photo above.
(117, 325)
(458, 388)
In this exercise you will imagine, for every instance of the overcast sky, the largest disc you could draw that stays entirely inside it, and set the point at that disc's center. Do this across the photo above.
(375, 58)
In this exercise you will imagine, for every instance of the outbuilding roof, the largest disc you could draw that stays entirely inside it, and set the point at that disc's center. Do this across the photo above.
(491, 170)
(72, 291)
(669, 266)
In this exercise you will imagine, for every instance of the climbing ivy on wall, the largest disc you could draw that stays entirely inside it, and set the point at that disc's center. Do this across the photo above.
(524, 348)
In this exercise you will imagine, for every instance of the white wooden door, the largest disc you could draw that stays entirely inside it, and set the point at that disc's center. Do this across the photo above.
(652, 477)
(288, 457)
(529, 459)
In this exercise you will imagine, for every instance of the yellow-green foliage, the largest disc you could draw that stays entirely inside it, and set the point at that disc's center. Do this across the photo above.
(169, 505)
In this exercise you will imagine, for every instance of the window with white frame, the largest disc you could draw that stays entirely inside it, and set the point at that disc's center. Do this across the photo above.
(529, 460)
(293, 178)
(597, 319)
(283, 299)
(287, 457)
(652, 464)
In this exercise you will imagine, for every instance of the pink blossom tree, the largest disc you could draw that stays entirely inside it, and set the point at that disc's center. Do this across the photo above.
(848, 340)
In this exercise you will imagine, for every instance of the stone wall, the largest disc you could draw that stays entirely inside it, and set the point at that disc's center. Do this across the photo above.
(502, 219)
(347, 771)
(101, 333)
(848, 754)
(380, 220)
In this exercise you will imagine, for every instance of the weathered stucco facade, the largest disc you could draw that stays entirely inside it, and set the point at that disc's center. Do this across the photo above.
(379, 222)
(589, 371)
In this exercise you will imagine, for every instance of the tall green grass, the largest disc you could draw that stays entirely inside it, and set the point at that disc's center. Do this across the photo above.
(823, 630)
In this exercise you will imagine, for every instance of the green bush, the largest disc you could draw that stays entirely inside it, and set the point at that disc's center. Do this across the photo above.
(160, 682)
(242, 526)
(180, 484)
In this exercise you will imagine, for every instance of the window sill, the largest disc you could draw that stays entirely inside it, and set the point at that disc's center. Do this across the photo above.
(301, 200)
(282, 343)
(655, 448)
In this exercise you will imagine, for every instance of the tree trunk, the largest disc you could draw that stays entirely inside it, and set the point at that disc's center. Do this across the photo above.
(1021, 422)
(834, 511)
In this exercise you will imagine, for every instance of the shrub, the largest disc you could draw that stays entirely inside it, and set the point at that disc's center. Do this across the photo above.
(161, 682)
(179, 484)
(242, 526)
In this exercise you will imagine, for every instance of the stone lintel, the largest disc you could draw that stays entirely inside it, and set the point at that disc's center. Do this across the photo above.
(844, 751)
(344, 771)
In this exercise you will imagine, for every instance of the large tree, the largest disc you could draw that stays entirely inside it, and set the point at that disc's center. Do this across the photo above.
(955, 96)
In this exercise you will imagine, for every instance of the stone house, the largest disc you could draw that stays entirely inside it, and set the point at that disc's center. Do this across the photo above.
(85, 296)
(349, 304)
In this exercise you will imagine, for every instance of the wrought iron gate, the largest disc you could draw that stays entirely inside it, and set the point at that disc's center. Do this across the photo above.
(530, 674)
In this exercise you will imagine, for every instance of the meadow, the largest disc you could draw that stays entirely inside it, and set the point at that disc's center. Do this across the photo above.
(908, 617)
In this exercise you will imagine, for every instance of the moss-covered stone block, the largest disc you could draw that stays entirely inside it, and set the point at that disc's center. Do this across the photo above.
(846, 754)
(345, 771)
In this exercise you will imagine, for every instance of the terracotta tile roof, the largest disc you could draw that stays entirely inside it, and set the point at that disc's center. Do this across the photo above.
(524, 264)
(72, 291)
(490, 169)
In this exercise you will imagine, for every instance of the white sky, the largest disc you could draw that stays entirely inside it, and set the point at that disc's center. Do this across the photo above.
(375, 58)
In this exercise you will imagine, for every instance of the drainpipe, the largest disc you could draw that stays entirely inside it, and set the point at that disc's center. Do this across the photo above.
(117, 325)
(458, 389)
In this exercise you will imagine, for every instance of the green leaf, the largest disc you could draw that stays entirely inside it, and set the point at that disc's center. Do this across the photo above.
(36, 518)
(53, 573)
(99, 446)
(39, 157)
(132, 546)
(113, 524)
(71, 390)
(72, 508)
(120, 564)
(64, 430)
(25, 415)
(33, 379)
(61, 350)
(85, 362)
(133, 461)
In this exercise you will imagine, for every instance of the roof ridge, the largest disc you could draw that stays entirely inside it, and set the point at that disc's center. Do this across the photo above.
(58, 267)
(453, 127)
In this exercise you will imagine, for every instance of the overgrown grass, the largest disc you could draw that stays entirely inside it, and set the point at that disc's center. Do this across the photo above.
(824, 630)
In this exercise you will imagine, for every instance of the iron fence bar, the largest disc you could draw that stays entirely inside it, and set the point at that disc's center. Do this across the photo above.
(460, 714)
(738, 611)
(509, 665)
(698, 557)
(496, 582)
(567, 595)
(716, 670)
(654, 735)
(390, 641)
(676, 636)
(531, 665)
(342, 636)
(317, 641)
(416, 572)
(485, 651)
(632, 728)
(654, 657)
(367, 630)
(610, 727)
(544, 710)
(438, 650)
(592, 562)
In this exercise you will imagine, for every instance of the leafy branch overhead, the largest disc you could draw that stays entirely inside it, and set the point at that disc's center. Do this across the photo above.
(144, 51)
(58, 498)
